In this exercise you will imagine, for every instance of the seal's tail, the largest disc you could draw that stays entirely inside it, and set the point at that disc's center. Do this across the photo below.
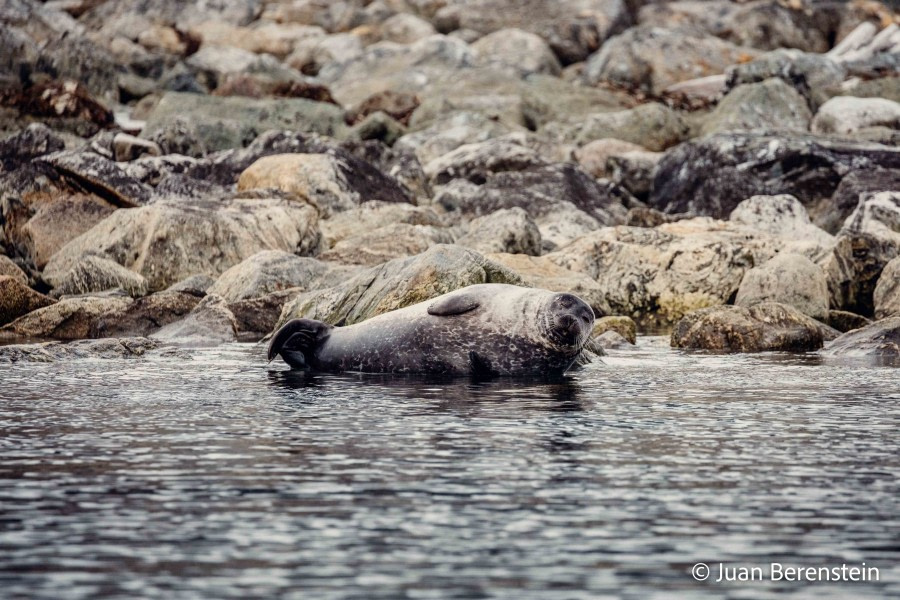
(296, 341)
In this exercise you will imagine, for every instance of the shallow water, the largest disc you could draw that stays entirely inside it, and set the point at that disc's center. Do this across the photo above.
(222, 477)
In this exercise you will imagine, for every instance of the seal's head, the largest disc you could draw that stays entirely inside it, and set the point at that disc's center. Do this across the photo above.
(567, 321)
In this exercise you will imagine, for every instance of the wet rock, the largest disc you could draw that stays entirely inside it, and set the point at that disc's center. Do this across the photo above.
(845, 115)
(711, 175)
(881, 338)
(508, 230)
(771, 104)
(256, 317)
(17, 299)
(210, 323)
(518, 49)
(769, 326)
(69, 319)
(167, 242)
(624, 327)
(610, 340)
(651, 59)
(404, 28)
(652, 125)
(221, 123)
(377, 246)
(573, 28)
(790, 279)
(813, 75)
(845, 321)
(145, 315)
(47, 352)
(9, 269)
(398, 283)
(853, 269)
(887, 291)
(656, 276)
(594, 155)
(476, 162)
(332, 181)
(101, 176)
(275, 270)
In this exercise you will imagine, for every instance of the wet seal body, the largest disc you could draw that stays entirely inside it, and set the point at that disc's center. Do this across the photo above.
(480, 330)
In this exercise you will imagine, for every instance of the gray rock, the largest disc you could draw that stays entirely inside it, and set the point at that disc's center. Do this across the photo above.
(783, 216)
(145, 315)
(853, 269)
(611, 340)
(518, 49)
(17, 299)
(880, 339)
(845, 115)
(813, 75)
(476, 162)
(624, 327)
(95, 274)
(78, 58)
(887, 291)
(35, 140)
(128, 147)
(102, 176)
(398, 283)
(405, 28)
(195, 285)
(854, 187)
(594, 156)
(634, 170)
(652, 125)
(398, 163)
(449, 133)
(10, 269)
(790, 279)
(877, 214)
(771, 104)
(210, 323)
(48, 352)
(769, 326)
(372, 215)
(508, 230)
(69, 319)
(167, 242)
(376, 246)
(845, 321)
(256, 317)
(275, 270)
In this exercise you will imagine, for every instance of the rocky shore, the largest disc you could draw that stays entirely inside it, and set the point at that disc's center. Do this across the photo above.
(181, 173)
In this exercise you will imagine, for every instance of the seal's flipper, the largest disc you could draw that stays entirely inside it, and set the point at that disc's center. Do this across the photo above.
(456, 304)
(480, 367)
(297, 340)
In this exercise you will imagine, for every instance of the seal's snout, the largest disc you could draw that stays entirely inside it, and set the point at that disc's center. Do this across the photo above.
(572, 320)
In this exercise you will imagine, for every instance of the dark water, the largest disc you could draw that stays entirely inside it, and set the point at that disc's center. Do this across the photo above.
(218, 478)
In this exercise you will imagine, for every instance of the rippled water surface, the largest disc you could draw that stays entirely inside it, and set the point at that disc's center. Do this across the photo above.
(222, 477)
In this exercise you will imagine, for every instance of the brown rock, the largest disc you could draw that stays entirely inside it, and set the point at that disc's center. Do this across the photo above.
(17, 299)
(845, 321)
(9, 269)
(258, 316)
(55, 223)
(398, 105)
(145, 315)
(68, 319)
(624, 326)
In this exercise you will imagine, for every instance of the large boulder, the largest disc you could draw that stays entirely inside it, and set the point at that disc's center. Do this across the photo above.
(517, 48)
(17, 299)
(166, 242)
(96, 274)
(771, 104)
(785, 217)
(375, 246)
(68, 319)
(48, 352)
(880, 339)
(710, 176)
(508, 230)
(208, 324)
(845, 115)
(145, 315)
(275, 270)
(887, 291)
(375, 215)
(769, 326)
(257, 317)
(652, 125)
(814, 75)
(451, 131)
(477, 161)
(398, 283)
(658, 275)
(790, 279)
(57, 222)
(102, 175)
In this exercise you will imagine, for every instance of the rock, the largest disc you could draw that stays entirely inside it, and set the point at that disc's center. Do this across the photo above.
(17, 299)
(783, 216)
(128, 147)
(771, 105)
(881, 338)
(642, 216)
(277, 39)
(625, 327)
(131, 19)
(95, 274)
(217, 63)
(68, 319)
(399, 106)
(376, 246)
(650, 59)
(311, 55)
(372, 215)
(331, 181)
(518, 49)
(476, 162)
(887, 291)
(221, 123)
(166, 242)
(275, 270)
(540, 272)
(145, 315)
(208, 324)
(449, 133)
(77, 58)
(399, 163)
(546, 99)
(656, 276)
(790, 279)
(853, 269)
(711, 175)
(195, 285)
(769, 326)
(652, 125)
(813, 75)
(573, 28)
(877, 214)
(398, 283)
(610, 340)
(594, 155)
(845, 115)
(35, 140)
(101, 176)
(845, 321)
(47, 352)
(404, 28)
(9, 269)
(256, 317)
(64, 105)
(508, 230)
(856, 185)
(634, 170)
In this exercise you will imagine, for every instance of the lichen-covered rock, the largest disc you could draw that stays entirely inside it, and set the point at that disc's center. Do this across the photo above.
(771, 105)
(887, 291)
(814, 75)
(102, 176)
(275, 270)
(781, 215)
(516, 48)
(398, 283)
(166, 242)
(845, 115)
(10, 269)
(196, 285)
(634, 170)
(35, 140)
(375, 246)
(375, 215)
(623, 326)
(769, 326)
(17, 299)
(790, 279)
(95, 274)
(476, 162)
(208, 324)
(448, 133)
(856, 185)
(508, 230)
(68, 319)
(652, 125)
(594, 155)
(47, 352)
(880, 339)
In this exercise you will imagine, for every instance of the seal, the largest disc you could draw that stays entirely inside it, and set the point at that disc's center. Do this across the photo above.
(482, 330)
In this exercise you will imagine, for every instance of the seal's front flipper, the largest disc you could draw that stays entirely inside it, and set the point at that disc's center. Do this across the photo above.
(480, 368)
(296, 341)
(455, 304)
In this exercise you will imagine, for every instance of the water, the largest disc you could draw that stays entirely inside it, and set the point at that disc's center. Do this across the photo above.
(220, 477)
